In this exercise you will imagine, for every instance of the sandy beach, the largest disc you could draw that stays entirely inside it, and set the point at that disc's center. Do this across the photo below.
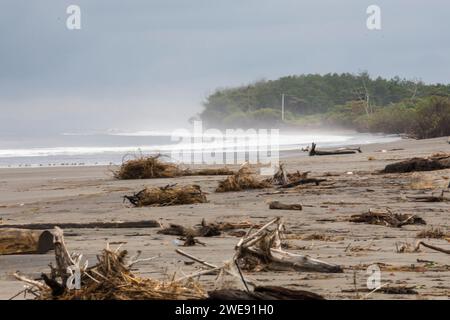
(88, 194)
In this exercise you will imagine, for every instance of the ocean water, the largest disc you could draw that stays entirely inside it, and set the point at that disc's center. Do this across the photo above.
(78, 149)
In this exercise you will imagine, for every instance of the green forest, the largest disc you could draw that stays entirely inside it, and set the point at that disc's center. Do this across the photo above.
(356, 101)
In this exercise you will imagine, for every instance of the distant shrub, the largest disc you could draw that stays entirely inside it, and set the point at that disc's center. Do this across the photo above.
(432, 117)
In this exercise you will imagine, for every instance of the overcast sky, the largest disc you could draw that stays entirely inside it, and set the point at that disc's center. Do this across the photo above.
(149, 64)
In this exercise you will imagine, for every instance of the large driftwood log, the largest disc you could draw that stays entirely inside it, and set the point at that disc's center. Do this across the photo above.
(436, 162)
(89, 225)
(314, 152)
(15, 241)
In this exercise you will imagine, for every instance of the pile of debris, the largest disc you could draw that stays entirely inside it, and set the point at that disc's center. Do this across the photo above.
(150, 167)
(386, 218)
(147, 168)
(167, 196)
(437, 161)
(109, 279)
(244, 179)
(262, 250)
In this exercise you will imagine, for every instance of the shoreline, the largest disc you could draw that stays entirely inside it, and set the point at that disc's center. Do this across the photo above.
(90, 194)
(63, 159)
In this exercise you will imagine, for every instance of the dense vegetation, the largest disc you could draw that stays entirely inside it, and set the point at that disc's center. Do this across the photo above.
(354, 101)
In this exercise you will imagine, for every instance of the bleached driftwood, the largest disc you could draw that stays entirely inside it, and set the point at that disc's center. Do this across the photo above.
(262, 250)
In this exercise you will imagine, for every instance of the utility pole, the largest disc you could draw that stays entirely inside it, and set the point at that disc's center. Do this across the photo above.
(282, 106)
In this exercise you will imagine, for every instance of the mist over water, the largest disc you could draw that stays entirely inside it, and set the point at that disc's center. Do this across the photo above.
(73, 149)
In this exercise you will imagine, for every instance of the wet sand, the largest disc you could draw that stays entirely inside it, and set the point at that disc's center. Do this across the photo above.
(87, 194)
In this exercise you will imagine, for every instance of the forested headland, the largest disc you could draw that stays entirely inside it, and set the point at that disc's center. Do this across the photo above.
(356, 101)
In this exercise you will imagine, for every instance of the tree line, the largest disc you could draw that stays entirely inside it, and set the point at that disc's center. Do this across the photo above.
(348, 100)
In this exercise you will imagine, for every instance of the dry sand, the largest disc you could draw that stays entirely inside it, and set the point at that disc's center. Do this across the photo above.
(85, 194)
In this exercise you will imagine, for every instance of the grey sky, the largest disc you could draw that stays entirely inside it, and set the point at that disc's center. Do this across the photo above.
(149, 64)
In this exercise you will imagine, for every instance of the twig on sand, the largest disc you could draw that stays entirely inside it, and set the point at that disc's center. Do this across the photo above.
(417, 247)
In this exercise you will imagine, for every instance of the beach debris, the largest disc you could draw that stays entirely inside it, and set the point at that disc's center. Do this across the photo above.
(257, 293)
(261, 250)
(264, 293)
(110, 279)
(281, 206)
(209, 172)
(87, 225)
(205, 229)
(282, 177)
(437, 161)
(432, 233)
(169, 195)
(386, 218)
(430, 198)
(303, 181)
(23, 241)
(150, 167)
(312, 237)
(244, 179)
(190, 241)
(429, 246)
(314, 152)
(387, 289)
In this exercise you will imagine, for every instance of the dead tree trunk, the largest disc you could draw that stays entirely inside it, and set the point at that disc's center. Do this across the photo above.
(15, 241)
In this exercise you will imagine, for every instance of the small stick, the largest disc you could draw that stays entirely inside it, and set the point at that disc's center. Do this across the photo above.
(187, 255)
(37, 284)
(260, 230)
(431, 247)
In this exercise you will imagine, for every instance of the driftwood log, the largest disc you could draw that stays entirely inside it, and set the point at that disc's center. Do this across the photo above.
(205, 229)
(429, 246)
(264, 293)
(303, 181)
(436, 162)
(430, 198)
(16, 241)
(281, 206)
(314, 152)
(89, 225)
